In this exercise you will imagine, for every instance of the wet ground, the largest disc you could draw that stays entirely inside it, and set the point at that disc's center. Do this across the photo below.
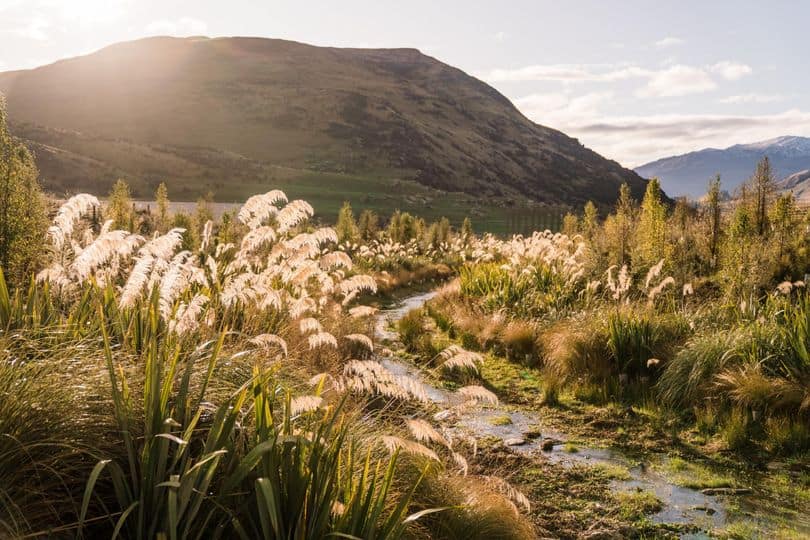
(523, 430)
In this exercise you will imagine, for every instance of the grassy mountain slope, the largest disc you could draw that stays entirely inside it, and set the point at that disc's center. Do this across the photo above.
(235, 115)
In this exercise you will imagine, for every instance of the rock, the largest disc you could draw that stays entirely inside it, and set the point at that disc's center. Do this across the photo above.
(709, 510)
(548, 445)
(725, 491)
(514, 441)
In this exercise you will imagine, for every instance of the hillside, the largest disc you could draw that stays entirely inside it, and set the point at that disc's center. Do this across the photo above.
(799, 184)
(236, 115)
(689, 174)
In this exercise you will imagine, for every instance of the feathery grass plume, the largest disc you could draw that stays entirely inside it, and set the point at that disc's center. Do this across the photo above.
(362, 339)
(259, 208)
(423, 432)
(461, 463)
(293, 214)
(358, 283)
(309, 325)
(478, 394)
(786, 287)
(510, 491)
(103, 251)
(137, 280)
(255, 239)
(393, 444)
(653, 273)
(303, 404)
(371, 377)
(173, 282)
(188, 316)
(267, 341)
(655, 291)
(688, 290)
(335, 259)
(207, 231)
(322, 339)
(66, 217)
(455, 357)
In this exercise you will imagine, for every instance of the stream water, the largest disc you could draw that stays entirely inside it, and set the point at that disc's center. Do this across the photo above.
(680, 505)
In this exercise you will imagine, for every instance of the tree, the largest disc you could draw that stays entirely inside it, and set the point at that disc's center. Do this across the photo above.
(162, 203)
(782, 217)
(119, 206)
(368, 225)
(467, 229)
(346, 227)
(764, 185)
(713, 213)
(570, 224)
(22, 208)
(619, 228)
(590, 221)
(652, 227)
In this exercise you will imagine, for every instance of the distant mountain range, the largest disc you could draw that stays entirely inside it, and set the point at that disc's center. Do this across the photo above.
(240, 115)
(689, 174)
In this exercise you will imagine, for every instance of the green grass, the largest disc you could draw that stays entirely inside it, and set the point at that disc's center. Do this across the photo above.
(500, 420)
(696, 476)
(634, 505)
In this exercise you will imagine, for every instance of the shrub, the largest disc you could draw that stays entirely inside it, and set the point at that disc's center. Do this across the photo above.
(412, 330)
(736, 430)
(520, 340)
(787, 436)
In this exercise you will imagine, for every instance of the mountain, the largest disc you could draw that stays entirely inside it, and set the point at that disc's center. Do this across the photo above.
(237, 115)
(799, 184)
(689, 174)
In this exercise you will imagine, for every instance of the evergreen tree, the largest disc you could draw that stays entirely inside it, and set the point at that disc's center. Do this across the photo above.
(570, 224)
(590, 221)
(764, 185)
(652, 227)
(619, 230)
(346, 228)
(22, 208)
(783, 221)
(368, 225)
(467, 229)
(119, 206)
(162, 203)
(714, 215)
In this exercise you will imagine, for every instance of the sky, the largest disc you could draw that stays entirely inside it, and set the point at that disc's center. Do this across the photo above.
(634, 80)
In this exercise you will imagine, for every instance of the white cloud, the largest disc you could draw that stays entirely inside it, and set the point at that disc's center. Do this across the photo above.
(634, 140)
(567, 73)
(562, 109)
(668, 41)
(34, 28)
(185, 26)
(678, 80)
(731, 71)
(752, 98)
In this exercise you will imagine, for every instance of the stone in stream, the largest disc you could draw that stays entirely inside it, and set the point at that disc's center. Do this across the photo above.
(514, 441)
(548, 445)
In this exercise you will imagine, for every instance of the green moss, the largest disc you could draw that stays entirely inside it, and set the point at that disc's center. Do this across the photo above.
(570, 448)
(634, 505)
(612, 472)
(500, 420)
(696, 476)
